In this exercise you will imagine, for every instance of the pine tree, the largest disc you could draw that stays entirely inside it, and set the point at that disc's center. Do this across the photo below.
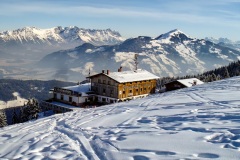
(3, 118)
(30, 110)
(214, 77)
(15, 117)
(226, 73)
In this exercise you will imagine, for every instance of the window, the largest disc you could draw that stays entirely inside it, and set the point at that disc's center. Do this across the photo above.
(104, 81)
(123, 92)
(104, 99)
(111, 91)
(141, 89)
(130, 91)
(109, 82)
(104, 90)
(96, 90)
(70, 99)
(99, 80)
(136, 90)
(55, 96)
(61, 97)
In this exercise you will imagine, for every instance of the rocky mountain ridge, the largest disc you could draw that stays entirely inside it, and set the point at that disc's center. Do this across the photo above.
(39, 42)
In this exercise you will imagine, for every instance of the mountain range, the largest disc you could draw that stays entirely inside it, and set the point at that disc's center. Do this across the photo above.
(39, 42)
(225, 42)
(170, 54)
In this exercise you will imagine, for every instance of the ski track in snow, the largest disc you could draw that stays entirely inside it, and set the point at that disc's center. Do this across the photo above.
(200, 122)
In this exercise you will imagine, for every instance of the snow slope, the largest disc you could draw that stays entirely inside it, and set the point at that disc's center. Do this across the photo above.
(201, 122)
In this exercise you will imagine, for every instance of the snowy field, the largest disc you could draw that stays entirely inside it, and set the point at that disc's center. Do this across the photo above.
(202, 122)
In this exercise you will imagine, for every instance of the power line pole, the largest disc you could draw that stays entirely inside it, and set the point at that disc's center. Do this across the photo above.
(136, 61)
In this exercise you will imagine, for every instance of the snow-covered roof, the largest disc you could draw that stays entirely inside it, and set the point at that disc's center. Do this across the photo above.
(189, 82)
(82, 88)
(131, 76)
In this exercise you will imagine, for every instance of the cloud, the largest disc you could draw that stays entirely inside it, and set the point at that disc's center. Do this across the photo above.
(221, 12)
(109, 11)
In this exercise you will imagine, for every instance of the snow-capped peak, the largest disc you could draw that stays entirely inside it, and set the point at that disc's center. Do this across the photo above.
(173, 36)
(174, 32)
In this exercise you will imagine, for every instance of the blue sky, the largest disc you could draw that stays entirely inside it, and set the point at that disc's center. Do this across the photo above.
(197, 18)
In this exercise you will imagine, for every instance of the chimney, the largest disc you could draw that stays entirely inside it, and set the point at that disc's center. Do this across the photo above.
(120, 69)
(108, 72)
(102, 71)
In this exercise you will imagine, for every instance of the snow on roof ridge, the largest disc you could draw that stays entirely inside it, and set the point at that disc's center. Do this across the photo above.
(189, 81)
(130, 76)
(79, 88)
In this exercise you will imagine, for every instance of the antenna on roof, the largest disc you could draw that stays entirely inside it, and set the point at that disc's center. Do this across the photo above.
(136, 61)
(87, 78)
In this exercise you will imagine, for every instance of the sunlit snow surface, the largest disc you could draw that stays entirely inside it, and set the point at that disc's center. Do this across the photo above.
(201, 122)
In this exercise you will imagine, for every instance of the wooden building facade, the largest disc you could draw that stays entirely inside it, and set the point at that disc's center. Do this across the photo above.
(120, 86)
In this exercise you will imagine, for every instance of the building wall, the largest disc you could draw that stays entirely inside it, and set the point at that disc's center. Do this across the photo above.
(132, 89)
(75, 100)
(107, 87)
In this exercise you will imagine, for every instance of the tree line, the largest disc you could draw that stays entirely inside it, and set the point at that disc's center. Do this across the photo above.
(231, 70)
(28, 111)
